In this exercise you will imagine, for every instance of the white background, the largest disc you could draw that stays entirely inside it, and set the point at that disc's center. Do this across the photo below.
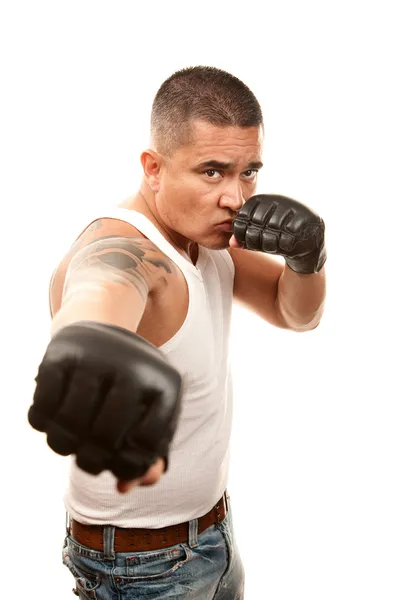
(315, 457)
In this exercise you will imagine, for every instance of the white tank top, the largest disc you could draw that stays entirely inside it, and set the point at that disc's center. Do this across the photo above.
(199, 454)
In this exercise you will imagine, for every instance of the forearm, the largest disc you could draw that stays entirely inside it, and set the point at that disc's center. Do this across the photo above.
(300, 299)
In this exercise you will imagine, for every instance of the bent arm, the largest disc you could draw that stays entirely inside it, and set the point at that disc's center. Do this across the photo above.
(109, 281)
(277, 294)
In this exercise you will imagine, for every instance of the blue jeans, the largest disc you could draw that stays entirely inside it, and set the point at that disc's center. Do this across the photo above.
(207, 567)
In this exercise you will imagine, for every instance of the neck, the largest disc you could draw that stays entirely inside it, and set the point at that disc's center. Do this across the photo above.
(144, 202)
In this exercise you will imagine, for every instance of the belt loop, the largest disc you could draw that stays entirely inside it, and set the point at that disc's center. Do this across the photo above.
(193, 533)
(108, 541)
(226, 500)
(67, 524)
(217, 509)
(220, 516)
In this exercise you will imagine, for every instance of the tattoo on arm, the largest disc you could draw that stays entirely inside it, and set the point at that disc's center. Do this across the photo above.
(125, 260)
(80, 242)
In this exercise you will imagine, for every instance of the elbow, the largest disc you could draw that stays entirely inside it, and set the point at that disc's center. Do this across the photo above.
(307, 327)
(297, 323)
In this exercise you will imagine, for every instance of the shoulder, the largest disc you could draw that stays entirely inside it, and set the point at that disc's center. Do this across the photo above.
(106, 232)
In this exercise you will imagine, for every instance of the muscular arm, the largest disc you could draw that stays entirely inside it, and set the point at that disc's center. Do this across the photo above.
(109, 280)
(107, 276)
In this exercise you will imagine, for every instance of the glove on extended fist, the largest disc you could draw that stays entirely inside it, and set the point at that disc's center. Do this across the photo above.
(280, 225)
(108, 396)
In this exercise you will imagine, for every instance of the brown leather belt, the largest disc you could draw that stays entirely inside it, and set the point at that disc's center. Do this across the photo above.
(139, 540)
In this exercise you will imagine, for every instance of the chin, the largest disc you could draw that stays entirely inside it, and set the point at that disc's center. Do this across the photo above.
(221, 243)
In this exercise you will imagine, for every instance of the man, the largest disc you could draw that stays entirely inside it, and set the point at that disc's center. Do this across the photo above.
(135, 381)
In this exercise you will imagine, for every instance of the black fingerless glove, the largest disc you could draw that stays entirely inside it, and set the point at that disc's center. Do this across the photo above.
(280, 225)
(108, 396)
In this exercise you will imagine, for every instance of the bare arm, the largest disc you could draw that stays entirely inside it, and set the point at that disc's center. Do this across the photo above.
(109, 280)
(301, 299)
(276, 293)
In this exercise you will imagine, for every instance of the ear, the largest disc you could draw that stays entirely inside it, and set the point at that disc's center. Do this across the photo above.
(151, 163)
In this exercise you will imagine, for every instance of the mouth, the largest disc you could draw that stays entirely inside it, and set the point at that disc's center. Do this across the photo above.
(226, 225)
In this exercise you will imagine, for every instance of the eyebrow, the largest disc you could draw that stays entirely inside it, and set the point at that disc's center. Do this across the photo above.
(226, 166)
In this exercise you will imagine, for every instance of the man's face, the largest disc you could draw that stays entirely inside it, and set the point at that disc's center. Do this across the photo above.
(206, 183)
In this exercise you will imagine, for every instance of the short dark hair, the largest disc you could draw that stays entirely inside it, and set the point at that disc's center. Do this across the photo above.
(200, 93)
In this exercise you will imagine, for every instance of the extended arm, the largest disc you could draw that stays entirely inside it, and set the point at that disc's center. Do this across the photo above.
(98, 379)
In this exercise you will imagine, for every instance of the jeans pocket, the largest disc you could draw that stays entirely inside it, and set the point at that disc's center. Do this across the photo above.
(151, 566)
(86, 583)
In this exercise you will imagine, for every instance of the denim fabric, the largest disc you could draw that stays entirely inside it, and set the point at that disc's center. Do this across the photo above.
(207, 567)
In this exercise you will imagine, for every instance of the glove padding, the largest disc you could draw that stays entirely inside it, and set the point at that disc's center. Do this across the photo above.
(280, 225)
(108, 396)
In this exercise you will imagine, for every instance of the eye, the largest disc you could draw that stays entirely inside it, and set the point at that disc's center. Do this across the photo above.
(250, 173)
(211, 172)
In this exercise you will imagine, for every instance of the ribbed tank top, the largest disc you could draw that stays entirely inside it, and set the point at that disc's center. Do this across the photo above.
(199, 453)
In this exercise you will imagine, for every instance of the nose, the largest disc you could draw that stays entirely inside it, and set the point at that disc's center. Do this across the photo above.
(232, 197)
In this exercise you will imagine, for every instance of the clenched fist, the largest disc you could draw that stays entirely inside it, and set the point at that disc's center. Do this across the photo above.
(280, 225)
(109, 397)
